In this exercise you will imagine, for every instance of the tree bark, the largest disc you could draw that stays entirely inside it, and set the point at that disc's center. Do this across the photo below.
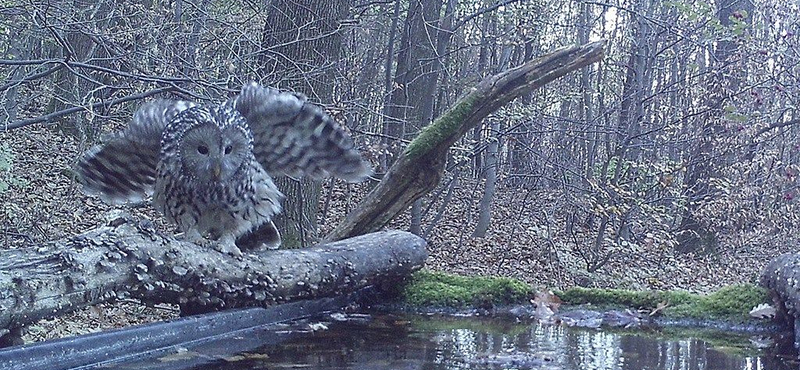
(586, 108)
(79, 88)
(410, 107)
(129, 258)
(419, 168)
(190, 65)
(301, 43)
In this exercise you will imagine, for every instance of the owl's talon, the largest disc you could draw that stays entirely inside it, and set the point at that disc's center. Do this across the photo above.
(193, 236)
(227, 244)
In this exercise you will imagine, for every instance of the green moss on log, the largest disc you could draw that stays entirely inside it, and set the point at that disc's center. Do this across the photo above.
(443, 127)
(437, 289)
(622, 297)
(445, 290)
(732, 302)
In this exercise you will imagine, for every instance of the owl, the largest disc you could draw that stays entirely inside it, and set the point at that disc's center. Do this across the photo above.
(208, 167)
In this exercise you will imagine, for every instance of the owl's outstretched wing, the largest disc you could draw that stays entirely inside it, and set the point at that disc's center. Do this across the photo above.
(123, 169)
(296, 138)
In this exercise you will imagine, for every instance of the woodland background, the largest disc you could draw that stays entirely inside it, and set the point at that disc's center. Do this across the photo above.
(671, 163)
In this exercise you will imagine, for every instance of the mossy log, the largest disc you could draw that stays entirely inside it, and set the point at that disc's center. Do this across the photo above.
(420, 167)
(128, 257)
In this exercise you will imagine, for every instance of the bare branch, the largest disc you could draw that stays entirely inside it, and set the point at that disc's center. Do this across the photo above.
(48, 118)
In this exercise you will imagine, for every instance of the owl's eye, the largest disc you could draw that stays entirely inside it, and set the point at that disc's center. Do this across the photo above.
(202, 149)
(228, 149)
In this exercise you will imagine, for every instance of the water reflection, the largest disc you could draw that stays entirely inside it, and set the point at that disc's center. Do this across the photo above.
(568, 348)
(437, 343)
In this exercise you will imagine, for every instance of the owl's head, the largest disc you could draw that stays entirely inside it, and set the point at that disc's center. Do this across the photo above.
(216, 145)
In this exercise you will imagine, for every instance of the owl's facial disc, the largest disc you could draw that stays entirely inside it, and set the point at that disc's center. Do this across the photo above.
(213, 155)
(233, 151)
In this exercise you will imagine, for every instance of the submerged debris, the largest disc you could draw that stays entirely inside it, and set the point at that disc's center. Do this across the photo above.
(516, 360)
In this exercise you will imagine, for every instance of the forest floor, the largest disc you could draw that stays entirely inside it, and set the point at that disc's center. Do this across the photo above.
(525, 240)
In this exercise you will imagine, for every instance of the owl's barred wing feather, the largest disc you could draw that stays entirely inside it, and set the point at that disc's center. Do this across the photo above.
(124, 168)
(118, 172)
(296, 138)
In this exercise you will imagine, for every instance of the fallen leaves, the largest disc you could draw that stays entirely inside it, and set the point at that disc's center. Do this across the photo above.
(546, 304)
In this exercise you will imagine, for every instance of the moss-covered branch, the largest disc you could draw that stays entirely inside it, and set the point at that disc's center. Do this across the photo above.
(419, 169)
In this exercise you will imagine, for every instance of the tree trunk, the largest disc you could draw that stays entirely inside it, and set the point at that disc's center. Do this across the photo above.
(415, 226)
(443, 206)
(490, 173)
(491, 163)
(419, 168)
(17, 49)
(411, 104)
(586, 108)
(129, 258)
(389, 127)
(693, 234)
(189, 58)
(297, 223)
(69, 87)
(302, 42)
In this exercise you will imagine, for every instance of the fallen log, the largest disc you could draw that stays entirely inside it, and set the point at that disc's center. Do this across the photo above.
(129, 258)
(782, 277)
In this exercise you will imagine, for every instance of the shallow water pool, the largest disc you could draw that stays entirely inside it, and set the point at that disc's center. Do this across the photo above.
(436, 342)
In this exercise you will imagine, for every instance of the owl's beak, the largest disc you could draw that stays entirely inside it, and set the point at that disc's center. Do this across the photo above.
(215, 171)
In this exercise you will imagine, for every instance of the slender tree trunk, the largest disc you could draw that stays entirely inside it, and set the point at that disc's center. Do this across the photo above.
(17, 50)
(190, 67)
(478, 165)
(490, 172)
(443, 206)
(417, 69)
(521, 146)
(586, 108)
